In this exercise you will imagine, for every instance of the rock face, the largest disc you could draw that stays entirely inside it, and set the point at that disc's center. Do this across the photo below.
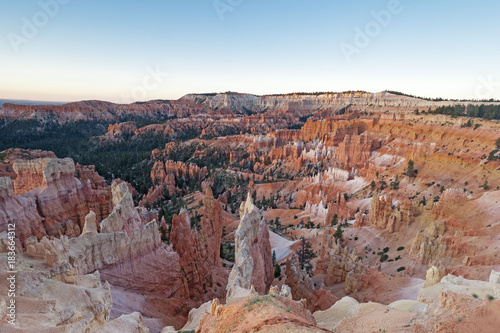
(385, 214)
(431, 293)
(428, 248)
(434, 275)
(124, 217)
(354, 150)
(166, 173)
(59, 300)
(253, 263)
(199, 249)
(337, 261)
(228, 102)
(495, 277)
(183, 241)
(135, 259)
(258, 314)
(123, 248)
(90, 223)
(40, 172)
(302, 287)
(50, 200)
(88, 110)
(6, 188)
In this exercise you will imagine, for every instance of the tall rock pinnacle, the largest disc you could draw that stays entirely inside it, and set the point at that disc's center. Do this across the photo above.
(253, 263)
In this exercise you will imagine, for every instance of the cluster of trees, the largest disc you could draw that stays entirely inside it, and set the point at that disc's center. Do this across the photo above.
(169, 205)
(212, 158)
(189, 184)
(225, 131)
(224, 180)
(275, 225)
(493, 154)
(265, 203)
(484, 111)
(277, 268)
(182, 153)
(227, 251)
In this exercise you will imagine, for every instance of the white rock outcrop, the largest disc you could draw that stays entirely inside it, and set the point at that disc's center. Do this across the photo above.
(6, 189)
(253, 263)
(90, 223)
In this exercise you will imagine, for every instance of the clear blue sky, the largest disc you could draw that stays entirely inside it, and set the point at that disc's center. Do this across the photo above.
(105, 50)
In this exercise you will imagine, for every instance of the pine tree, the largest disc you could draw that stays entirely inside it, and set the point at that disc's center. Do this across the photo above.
(274, 257)
(335, 219)
(277, 270)
(410, 169)
(338, 235)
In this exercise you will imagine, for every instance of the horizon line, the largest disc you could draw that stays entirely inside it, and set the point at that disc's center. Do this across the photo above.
(315, 93)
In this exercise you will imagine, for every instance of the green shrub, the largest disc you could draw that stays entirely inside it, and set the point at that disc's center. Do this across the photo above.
(277, 270)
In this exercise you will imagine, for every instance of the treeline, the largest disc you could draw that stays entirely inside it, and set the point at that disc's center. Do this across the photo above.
(317, 93)
(212, 158)
(484, 111)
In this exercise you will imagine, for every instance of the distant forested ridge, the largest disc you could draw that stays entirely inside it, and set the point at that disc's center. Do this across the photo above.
(485, 111)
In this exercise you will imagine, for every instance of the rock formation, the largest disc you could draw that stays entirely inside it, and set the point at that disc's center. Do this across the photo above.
(459, 285)
(166, 173)
(253, 264)
(302, 287)
(317, 211)
(385, 214)
(62, 300)
(6, 188)
(40, 172)
(354, 150)
(50, 200)
(434, 275)
(427, 248)
(137, 260)
(90, 223)
(124, 217)
(192, 104)
(266, 313)
(199, 249)
(337, 261)
(349, 158)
